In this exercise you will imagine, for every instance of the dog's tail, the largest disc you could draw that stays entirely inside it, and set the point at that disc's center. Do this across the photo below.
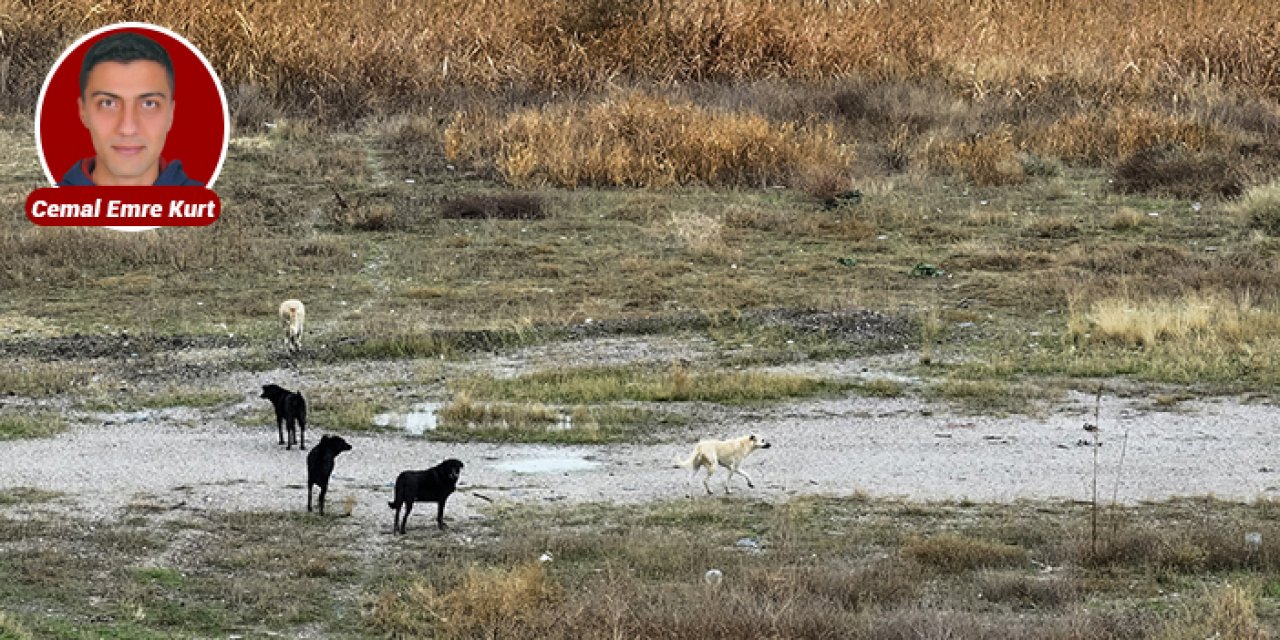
(686, 464)
(395, 504)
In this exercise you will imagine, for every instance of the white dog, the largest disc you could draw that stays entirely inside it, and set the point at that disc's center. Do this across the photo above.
(292, 314)
(725, 453)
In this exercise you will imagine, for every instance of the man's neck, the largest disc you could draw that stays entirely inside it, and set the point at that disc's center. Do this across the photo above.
(102, 178)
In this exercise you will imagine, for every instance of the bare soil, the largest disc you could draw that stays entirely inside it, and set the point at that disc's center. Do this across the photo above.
(183, 459)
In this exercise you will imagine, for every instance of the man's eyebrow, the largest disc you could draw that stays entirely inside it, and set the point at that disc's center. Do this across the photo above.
(149, 94)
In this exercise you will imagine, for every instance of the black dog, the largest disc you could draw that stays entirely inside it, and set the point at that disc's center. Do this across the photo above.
(320, 465)
(290, 407)
(430, 485)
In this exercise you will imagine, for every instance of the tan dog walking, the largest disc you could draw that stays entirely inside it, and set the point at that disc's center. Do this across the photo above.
(724, 453)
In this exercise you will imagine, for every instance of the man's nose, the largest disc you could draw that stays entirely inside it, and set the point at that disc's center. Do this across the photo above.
(128, 124)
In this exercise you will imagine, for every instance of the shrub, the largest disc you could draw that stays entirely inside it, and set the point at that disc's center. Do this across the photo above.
(1099, 137)
(984, 159)
(953, 553)
(507, 206)
(1260, 207)
(1174, 170)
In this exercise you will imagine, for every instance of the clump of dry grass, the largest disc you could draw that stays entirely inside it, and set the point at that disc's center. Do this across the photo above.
(1040, 592)
(11, 629)
(1126, 218)
(1101, 136)
(486, 602)
(371, 216)
(700, 232)
(1173, 170)
(953, 553)
(464, 412)
(505, 206)
(639, 139)
(1260, 207)
(1194, 319)
(985, 159)
(1228, 613)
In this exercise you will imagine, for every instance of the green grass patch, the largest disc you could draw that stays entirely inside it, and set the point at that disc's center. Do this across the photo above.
(593, 385)
(15, 427)
(471, 421)
(882, 388)
(952, 553)
(27, 495)
(992, 396)
(162, 576)
(172, 398)
(39, 379)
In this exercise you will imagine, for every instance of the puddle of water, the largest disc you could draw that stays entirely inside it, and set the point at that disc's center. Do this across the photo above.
(548, 465)
(420, 419)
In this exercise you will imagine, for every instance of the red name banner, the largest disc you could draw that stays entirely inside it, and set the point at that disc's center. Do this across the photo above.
(123, 207)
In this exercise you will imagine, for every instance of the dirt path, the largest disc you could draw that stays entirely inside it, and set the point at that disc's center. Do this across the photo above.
(830, 447)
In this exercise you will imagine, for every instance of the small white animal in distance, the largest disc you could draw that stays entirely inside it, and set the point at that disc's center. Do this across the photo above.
(292, 316)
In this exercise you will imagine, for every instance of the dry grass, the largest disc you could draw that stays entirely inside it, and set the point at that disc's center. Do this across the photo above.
(642, 140)
(986, 160)
(510, 206)
(1260, 208)
(486, 603)
(1175, 171)
(1196, 319)
(464, 412)
(1102, 136)
(952, 553)
(10, 629)
(1228, 612)
(552, 44)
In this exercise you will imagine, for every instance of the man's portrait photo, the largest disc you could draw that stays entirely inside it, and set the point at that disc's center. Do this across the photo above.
(126, 84)
(126, 102)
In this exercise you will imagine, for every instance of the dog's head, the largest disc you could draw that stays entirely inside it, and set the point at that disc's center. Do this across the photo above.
(757, 442)
(270, 391)
(334, 444)
(451, 468)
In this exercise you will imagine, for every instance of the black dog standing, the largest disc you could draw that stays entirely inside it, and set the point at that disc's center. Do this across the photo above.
(430, 485)
(290, 407)
(320, 465)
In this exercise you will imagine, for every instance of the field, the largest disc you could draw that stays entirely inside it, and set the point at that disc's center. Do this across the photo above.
(917, 234)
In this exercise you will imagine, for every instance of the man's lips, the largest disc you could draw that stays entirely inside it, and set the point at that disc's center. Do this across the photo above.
(127, 150)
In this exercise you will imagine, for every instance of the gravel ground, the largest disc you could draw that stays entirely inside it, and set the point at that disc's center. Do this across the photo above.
(881, 448)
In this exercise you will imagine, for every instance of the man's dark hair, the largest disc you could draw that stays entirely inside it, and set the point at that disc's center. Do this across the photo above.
(125, 47)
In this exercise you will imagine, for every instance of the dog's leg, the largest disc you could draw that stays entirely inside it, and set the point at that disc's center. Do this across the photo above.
(440, 513)
(280, 428)
(395, 520)
(408, 506)
(293, 432)
(743, 474)
(324, 488)
(706, 481)
(309, 485)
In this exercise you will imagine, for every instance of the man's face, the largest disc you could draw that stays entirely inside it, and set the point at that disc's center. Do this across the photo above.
(128, 109)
